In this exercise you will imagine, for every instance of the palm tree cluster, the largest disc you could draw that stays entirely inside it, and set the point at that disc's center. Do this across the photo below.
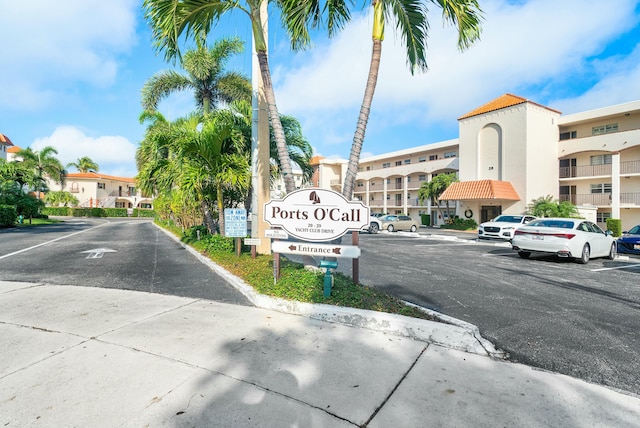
(203, 160)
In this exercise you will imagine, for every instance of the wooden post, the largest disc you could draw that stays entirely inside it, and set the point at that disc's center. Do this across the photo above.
(355, 263)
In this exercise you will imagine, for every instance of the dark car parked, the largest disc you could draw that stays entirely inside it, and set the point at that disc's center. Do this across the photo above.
(629, 242)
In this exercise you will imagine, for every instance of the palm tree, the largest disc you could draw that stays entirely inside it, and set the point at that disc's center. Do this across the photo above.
(169, 19)
(205, 76)
(411, 20)
(43, 162)
(436, 187)
(84, 164)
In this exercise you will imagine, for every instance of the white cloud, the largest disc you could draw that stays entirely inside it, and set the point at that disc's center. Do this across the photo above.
(60, 43)
(524, 45)
(114, 155)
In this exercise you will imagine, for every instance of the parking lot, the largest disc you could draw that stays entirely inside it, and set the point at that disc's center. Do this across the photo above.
(581, 320)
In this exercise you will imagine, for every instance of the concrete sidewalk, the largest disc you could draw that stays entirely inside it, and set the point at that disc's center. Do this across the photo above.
(92, 357)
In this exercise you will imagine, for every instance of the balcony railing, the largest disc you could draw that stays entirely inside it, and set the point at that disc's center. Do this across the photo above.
(601, 199)
(627, 167)
(585, 170)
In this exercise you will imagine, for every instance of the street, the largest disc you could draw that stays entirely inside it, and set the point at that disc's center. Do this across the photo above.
(579, 320)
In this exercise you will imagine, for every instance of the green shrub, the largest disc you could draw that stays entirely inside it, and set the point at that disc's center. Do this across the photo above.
(139, 212)
(461, 224)
(8, 215)
(59, 211)
(114, 212)
(218, 243)
(615, 226)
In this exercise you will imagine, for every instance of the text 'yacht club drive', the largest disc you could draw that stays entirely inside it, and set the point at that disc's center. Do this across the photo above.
(316, 214)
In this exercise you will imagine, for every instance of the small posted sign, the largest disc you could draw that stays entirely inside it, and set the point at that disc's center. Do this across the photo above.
(235, 222)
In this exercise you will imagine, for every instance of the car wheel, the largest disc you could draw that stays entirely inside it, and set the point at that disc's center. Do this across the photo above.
(613, 252)
(390, 228)
(373, 228)
(586, 253)
(414, 228)
(524, 254)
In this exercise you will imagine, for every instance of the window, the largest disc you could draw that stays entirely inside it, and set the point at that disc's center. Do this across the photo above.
(601, 188)
(604, 129)
(386, 164)
(360, 184)
(433, 157)
(450, 154)
(368, 168)
(422, 177)
(602, 217)
(568, 135)
(101, 186)
(407, 161)
(398, 163)
(409, 179)
(388, 197)
(422, 159)
(601, 160)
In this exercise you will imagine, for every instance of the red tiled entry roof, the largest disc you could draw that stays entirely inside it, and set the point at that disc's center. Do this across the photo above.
(481, 189)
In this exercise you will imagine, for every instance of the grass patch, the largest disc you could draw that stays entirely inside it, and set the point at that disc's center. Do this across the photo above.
(296, 282)
(38, 222)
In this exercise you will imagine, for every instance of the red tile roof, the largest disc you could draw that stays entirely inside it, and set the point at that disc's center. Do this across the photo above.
(97, 176)
(14, 149)
(504, 101)
(5, 140)
(481, 189)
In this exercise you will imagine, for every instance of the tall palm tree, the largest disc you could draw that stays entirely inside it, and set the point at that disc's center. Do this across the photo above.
(44, 163)
(205, 76)
(84, 164)
(436, 187)
(170, 19)
(411, 20)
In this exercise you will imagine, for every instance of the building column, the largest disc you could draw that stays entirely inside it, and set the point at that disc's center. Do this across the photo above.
(405, 192)
(429, 177)
(615, 185)
(384, 196)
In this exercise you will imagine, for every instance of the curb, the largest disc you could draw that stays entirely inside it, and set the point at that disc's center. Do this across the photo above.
(451, 332)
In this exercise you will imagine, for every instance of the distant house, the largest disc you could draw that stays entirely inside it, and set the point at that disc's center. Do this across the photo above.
(94, 189)
(5, 146)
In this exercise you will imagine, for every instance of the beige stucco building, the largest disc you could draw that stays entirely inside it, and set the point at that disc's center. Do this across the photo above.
(509, 152)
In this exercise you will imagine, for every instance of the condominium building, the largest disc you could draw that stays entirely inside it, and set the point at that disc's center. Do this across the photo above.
(509, 152)
(5, 145)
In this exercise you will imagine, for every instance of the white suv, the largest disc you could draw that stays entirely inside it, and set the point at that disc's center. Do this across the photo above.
(503, 226)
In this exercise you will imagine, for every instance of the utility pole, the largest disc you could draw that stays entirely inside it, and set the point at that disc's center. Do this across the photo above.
(260, 163)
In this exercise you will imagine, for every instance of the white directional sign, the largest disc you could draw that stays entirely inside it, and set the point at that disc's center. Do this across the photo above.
(316, 214)
(304, 249)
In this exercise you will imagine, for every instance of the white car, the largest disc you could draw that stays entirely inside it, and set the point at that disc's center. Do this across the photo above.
(374, 225)
(565, 237)
(503, 226)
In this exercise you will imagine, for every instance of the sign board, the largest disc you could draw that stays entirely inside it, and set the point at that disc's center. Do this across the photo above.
(235, 222)
(276, 234)
(305, 249)
(252, 241)
(316, 214)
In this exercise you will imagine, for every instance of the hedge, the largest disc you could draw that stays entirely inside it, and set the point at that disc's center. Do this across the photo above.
(615, 226)
(96, 212)
(8, 215)
(137, 212)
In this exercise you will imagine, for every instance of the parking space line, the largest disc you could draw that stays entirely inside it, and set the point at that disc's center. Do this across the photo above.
(632, 265)
(49, 242)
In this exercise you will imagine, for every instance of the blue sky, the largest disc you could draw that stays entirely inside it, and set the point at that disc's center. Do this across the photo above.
(72, 71)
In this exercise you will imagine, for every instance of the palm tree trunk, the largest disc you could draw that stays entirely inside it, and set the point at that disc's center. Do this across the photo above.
(276, 125)
(365, 109)
(208, 218)
(220, 208)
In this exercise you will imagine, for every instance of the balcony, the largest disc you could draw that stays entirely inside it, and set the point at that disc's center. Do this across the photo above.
(602, 199)
(585, 171)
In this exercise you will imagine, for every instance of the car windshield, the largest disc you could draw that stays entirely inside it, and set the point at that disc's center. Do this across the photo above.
(635, 230)
(509, 218)
(562, 224)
